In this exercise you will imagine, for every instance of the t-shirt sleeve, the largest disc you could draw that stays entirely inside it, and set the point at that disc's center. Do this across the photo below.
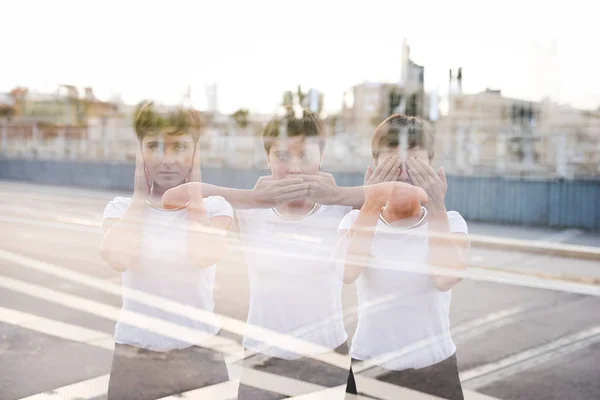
(217, 206)
(348, 220)
(116, 208)
(458, 225)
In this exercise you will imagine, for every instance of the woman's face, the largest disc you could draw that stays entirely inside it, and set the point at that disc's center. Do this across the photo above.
(293, 156)
(168, 158)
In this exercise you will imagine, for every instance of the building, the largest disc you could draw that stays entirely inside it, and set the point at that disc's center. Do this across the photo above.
(65, 122)
(489, 133)
(66, 106)
(367, 104)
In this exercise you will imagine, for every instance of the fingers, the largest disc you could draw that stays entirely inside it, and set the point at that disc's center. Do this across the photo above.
(318, 177)
(139, 162)
(304, 177)
(321, 179)
(294, 187)
(394, 170)
(139, 158)
(141, 179)
(290, 196)
(382, 170)
(414, 174)
(426, 168)
(196, 171)
(396, 175)
(378, 171)
(414, 171)
(288, 181)
(387, 167)
(442, 176)
(368, 174)
(324, 175)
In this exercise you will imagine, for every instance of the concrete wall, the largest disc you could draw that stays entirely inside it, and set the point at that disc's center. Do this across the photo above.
(561, 204)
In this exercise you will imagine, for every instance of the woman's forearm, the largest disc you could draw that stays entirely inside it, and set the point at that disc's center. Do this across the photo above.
(352, 196)
(360, 240)
(206, 243)
(444, 249)
(238, 198)
(122, 244)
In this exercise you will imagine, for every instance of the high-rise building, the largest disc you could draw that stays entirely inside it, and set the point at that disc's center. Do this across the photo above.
(375, 101)
(211, 98)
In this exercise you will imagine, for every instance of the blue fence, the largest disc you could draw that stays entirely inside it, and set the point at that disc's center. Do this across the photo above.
(560, 204)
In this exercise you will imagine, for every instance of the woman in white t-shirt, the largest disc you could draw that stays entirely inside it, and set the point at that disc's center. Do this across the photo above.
(288, 229)
(166, 254)
(397, 251)
(293, 291)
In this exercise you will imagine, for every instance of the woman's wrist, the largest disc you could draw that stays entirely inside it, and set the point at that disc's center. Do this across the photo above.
(139, 198)
(371, 208)
(251, 198)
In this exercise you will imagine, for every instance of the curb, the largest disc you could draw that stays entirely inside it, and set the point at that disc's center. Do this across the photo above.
(586, 280)
(537, 247)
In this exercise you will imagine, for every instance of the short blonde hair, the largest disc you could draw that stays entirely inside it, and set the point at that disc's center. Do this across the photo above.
(308, 125)
(147, 122)
(387, 134)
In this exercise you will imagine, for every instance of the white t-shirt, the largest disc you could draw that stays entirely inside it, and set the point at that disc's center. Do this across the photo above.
(403, 320)
(293, 288)
(164, 270)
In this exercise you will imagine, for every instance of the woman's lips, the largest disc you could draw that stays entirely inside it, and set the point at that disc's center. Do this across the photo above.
(168, 174)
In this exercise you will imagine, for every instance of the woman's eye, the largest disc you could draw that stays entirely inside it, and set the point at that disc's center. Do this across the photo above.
(180, 147)
(283, 156)
(153, 146)
(310, 156)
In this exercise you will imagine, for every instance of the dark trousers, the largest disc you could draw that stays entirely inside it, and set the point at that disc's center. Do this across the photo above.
(303, 369)
(139, 374)
(439, 379)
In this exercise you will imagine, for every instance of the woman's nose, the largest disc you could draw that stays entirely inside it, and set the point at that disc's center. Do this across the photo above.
(295, 169)
(294, 166)
(403, 173)
(170, 157)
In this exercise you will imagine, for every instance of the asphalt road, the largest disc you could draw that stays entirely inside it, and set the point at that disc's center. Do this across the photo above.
(514, 341)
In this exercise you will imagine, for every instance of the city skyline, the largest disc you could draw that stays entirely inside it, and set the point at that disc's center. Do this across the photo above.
(157, 52)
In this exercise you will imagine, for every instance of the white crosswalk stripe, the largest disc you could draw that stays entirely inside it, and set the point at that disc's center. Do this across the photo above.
(485, 374)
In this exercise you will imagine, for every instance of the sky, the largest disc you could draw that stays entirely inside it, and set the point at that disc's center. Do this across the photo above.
(254, 50)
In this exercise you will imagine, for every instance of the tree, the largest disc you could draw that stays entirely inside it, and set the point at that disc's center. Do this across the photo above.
(241, 117)
(288, 99)
(301, 96)
(7, 112)
(394, 100)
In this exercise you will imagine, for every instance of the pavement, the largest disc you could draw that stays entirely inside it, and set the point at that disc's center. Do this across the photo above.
(523, 327)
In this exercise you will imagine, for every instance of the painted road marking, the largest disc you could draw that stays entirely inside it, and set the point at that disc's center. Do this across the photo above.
(57, 328)
(114, 313)
(483, 375)
(227, 323)
(87, 389)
